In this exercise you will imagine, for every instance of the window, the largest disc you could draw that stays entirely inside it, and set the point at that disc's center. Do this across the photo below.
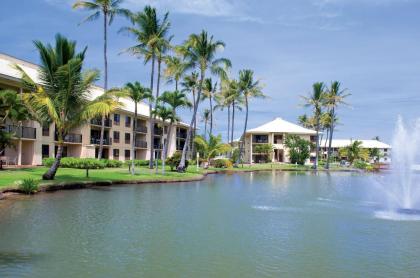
(45, 151)
(117, 119)
(127, 138)
(116, 153)
(46, 131)
(127, 154)
(116, 136)
(127, 121)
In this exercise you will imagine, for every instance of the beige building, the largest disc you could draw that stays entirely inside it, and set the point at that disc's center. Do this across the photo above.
(34, 142)
(274, 133)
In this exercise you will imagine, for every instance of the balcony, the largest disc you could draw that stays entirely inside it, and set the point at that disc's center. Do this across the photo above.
(71, 138)
(21, 131)
(141, 129)
(157, 146)
(98, 122)
(96, 141)
(158, 131)
(140, 144)
(182, 135)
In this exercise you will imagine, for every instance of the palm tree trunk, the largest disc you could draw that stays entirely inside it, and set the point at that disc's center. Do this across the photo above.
(326, 139)
(205, 129)
(50, 174)
(156, 101)
(101, 138)
(151, 121)
(181, 166)
(317, 144)
(176, 84)
(133, 152)
(228, 130)
(211, 112)
(233, 121)
(168, 136)
(191, 141)
(327, 165)
(243, 134)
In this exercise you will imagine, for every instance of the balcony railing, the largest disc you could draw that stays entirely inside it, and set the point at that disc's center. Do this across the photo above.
(158, 131)
(181, 135)
(108, 122)
(260, 141)
(158, 146)
(140, 144)
(141, 128)
(70, 138)
(21, 131)
(96, 141)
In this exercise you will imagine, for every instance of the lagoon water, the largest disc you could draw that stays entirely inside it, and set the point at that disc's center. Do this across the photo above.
(267, 224)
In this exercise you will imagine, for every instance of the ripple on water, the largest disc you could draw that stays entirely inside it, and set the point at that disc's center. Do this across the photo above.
(396, 216)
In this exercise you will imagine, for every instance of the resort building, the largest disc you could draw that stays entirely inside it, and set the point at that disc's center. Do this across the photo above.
(274, 133)
(337, 144)
(33, 142)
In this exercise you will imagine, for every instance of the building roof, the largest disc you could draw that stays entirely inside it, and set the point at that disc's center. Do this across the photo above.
(368, 144)
(8, 70)
(279, 125)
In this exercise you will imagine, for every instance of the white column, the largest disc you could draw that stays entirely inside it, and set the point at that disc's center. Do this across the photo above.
(19, 152)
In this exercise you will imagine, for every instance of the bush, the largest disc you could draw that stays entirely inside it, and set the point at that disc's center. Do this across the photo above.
(222, 163)
(174, 161)
(109, 163)
(359, 164)
(82, 163)
(28, 186)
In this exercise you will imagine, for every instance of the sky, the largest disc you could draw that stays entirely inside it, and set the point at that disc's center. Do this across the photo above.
(370, 46)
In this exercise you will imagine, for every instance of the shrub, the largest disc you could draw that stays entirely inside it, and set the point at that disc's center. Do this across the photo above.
(81, 163)
(299, 149)
(174, 161)
(109, 163)
(28, 186)
(359, 164)
(222, 163)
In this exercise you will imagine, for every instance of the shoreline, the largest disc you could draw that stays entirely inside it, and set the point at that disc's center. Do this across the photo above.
(74, 185)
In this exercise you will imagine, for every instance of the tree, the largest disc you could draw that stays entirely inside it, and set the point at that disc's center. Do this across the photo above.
(190, 84)
(334, 98)
(62, 95)
(209, 90)
(151, 34)
(206, 118)
(265, 149)
(175, 100)
(354, 152)
(299, 148)
(316, 101)
(137, 93)
(375, 154)
(200, 51)
(209, 149)
(175, 69)
(109, 9)
(166, 115)
(249, 88)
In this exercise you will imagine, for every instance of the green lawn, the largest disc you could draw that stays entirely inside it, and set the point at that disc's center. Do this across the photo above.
(9, 177)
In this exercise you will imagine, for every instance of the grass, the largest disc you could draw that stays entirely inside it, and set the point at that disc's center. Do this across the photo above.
(9, 177)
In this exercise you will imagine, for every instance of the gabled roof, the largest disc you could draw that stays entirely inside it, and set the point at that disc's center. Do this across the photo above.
(279, 125)
(367, 144)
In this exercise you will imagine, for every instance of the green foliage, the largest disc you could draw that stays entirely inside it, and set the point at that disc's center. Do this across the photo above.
(266, 149)
(235, 155)
(354, 152)
(209, 149)
(222, 163)
(174, 161)
(28, 186)
(360, 164)
(299, 149)
(78, 163)
(110, 163)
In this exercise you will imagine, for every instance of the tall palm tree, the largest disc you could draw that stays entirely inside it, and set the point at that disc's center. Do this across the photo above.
(200, 51)
(234, 100)
(209, 90)
(249, 88)
(334, 98)
(175, 100)
(190, 84)
(109, 9)
(165, 114)
(316, 101)
(137, 93)
(223, 102)
(175, 69)
(206, 118)
(151, 33)
(62, 94)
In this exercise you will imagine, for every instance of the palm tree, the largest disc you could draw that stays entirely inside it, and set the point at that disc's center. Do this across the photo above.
(234, 100)
(109, 9)
(354, 151)
(212, 147)
(62, 94)
(175, 100)
(206, 119)
(209, 90)
(165, 114)
(151, 34)
(335, 96)
(200, 51)
(249, 88)
(316, 101)
(137, 93)
(190, 84)
(223, 102)
(175, 69)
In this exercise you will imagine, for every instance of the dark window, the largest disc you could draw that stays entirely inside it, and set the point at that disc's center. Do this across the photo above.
(45, 151)
(127, 138)
(127, 154)
(127, 121)
(45, 131)
(117, 119)
(116, 136)
(116, 153)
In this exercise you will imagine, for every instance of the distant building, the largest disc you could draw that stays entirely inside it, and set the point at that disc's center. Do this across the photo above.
(274, 133)
(336, 144)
